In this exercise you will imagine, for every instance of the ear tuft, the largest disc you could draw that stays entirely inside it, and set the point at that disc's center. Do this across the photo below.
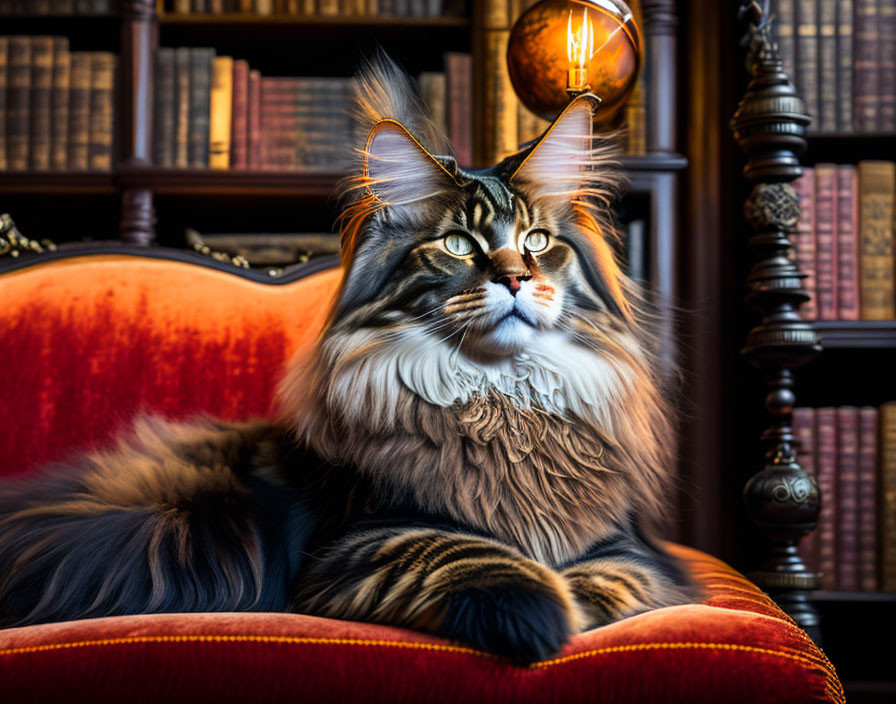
(398, 170)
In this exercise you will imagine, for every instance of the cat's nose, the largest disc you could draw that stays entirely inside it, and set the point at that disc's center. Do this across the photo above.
(513, 281)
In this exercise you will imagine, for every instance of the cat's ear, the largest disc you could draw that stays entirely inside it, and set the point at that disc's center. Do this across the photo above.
(563, 161)
(398, 170)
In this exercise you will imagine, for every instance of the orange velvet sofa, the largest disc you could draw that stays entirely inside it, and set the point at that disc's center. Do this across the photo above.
(90, 338)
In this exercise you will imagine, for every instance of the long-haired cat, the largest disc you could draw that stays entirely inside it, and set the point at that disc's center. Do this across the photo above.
(477, 447)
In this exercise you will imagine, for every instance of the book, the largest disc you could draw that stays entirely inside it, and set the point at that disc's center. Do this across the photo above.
(164, 119)
(804, 431)
(253, 121)
(4, 53)
(886, 116)
(827, 66)
(18, 102)
(847, 244)
(784, 12)
(62, 67)
(41, 101)
(221, 111)
(807, 57)
(459, 80)
(200, 94)
(826, 240)
(847, 498)
(844, 65)
(877, 183)
(102, 91)
(887, 505)
(182, 67)
(826, 461)
(79, 112)
(433, 90)
(239, 123)
(805, 241)
(499, 123)
(867, 499)
(866, 77)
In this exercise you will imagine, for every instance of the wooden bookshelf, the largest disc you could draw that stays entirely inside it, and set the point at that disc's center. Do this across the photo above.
(857, 334)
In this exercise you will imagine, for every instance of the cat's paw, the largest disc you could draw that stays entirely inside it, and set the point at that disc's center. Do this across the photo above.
(514, 621)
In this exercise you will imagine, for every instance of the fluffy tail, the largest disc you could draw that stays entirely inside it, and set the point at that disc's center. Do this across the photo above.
(174, 519)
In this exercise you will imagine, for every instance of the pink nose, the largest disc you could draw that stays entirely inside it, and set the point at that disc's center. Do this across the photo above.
(513, 281)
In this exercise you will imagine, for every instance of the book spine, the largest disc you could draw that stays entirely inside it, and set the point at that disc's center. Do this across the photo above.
(79, 112)
(221, 110)
(183, 7)
(785, 11)
(866, 60)
(264, 7)
(239, 124)
(848, 499)
(459, 81)
(844, 65)
(434, 89)
(847, 244)
(826, 240)
(18, 102)
(328, 7)
(182, 108)
(805, 238)
(826, 459)
(804, 430)
(886, 117)
(877, 181)
(62, 72)
(4, 62)
(887, 505)
(807, 57)
(254, 121)
(164, 109)
(41, 101)
(102, 99)
(827, 65)
(868, 499)
(200, 94)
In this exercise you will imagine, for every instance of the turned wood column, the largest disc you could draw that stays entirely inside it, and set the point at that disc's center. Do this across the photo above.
(781, 499)
(139, 38)
(660, 37)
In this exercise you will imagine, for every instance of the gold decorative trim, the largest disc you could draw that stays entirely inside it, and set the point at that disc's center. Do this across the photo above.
(13, 243)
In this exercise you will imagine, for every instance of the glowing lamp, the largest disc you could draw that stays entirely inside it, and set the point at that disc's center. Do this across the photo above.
(561, 48)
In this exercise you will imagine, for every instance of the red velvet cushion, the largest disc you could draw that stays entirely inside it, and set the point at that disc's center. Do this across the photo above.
(88, 342)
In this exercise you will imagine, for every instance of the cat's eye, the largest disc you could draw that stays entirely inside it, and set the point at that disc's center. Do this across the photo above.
(458, 245)
(536, 241)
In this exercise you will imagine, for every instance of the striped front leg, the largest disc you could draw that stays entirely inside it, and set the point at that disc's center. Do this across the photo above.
(623, 577)
(459, 586)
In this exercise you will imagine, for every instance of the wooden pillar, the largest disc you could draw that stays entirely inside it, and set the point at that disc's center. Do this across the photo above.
(139, 38)
(781, 499)
(660, 37)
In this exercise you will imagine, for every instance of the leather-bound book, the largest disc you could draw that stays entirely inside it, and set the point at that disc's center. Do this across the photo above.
(866, 78)
(807, 57)
(826, 240)
(239, 123)
(827, 66)
(804, 430)
(79, 112)
(264, 7)
(4, 55)
(221, 111)
(183, 7)
(826, 460)
(887, 505)
(247, 6)
(847, 244)
(164, 115)
(868, 498)
(459, 81)
(805, 241)
(103, 67)
(845, 29)
(254, 120)
(62, 75)
(848, 498)
(182, 107)
(41, 101)
(877, 181)
(886, 117)
(18, 102)
(200, 98)
(433, 89)
(785, 27)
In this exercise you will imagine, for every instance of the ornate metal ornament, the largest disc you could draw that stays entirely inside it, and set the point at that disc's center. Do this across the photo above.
(13, 243)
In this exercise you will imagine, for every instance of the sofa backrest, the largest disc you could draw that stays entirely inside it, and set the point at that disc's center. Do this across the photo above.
(89, 341)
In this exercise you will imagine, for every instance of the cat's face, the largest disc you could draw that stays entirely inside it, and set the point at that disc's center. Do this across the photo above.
(487, 261)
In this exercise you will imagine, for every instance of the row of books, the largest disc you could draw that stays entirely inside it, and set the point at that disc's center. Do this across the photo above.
(214, 111)
(851, 452)
(57, 7)
(333, 8)
(842, 56)
(844, 240)
(56, 106)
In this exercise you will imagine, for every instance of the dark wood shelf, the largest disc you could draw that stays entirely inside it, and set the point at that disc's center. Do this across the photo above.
(821, 136)
(229, 182)
(23, 182)
(854, 597)
(249, 21)
(654, 162)
(857, 334)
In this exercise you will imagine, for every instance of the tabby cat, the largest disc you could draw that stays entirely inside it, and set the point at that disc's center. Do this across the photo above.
(477, 447)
